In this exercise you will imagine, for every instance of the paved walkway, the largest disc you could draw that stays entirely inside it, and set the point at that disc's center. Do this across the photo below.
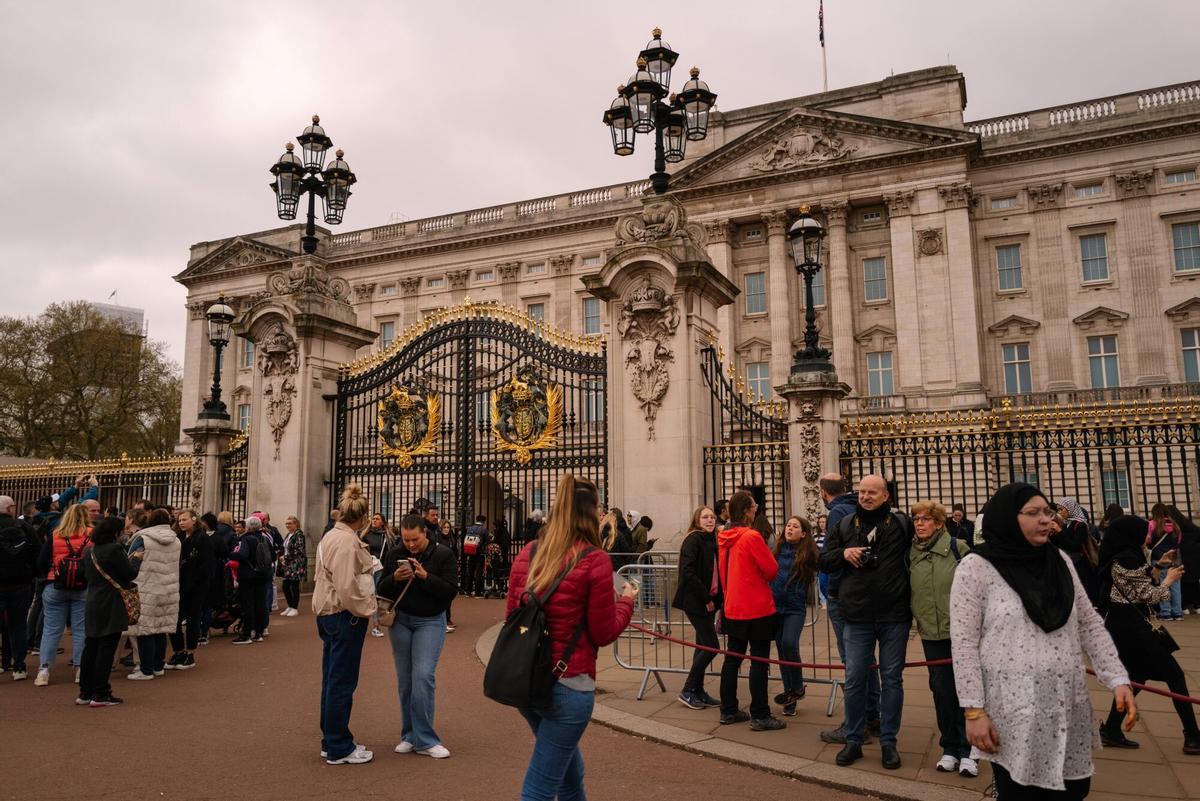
(243, 725)
(1157, 770)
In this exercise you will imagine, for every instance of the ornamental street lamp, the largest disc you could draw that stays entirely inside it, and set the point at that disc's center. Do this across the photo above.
(295, 176)
(220, 330)
(805, 237)
(639, 109)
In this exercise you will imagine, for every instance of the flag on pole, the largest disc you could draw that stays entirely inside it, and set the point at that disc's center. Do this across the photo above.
(113, 295)
(821, 21)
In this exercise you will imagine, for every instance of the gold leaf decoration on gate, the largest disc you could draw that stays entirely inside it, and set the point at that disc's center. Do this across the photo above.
(526, 414)
(410, 420)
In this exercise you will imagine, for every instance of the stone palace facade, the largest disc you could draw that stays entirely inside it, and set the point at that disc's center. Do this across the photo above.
(1043, 256)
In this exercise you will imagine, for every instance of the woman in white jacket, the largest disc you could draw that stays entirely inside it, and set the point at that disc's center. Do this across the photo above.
(154, 551)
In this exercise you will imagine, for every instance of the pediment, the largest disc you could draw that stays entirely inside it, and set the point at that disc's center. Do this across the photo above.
(1022, 324)
(880, 333)
(1101, 315)
(1187, 310)
(236, 254)
(809, 140)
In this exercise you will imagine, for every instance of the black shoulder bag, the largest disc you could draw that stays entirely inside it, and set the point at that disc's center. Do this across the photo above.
(521, 671)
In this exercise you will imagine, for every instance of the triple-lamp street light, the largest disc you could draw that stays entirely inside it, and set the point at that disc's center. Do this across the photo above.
(639, 109)
(805, 237)
(220, 331)
(294, 176)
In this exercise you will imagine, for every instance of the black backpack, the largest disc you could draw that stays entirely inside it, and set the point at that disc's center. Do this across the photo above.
(521, 671)
(15, 561)
(262, 555)
(68, 573)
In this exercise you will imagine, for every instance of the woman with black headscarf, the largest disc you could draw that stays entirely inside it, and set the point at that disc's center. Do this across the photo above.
(1020, 624)
(1125, 572)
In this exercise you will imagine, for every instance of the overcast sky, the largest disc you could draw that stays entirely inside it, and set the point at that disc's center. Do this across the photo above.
(132, 130)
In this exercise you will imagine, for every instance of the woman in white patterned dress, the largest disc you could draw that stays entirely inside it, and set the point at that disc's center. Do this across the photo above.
(1020, 624)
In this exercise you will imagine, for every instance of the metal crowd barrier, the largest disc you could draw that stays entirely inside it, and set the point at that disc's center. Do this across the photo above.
(635, 650)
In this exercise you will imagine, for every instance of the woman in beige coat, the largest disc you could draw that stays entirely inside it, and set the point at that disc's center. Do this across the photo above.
(154, 551)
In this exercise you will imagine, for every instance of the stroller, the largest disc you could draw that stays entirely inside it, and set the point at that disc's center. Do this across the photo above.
(495, 572)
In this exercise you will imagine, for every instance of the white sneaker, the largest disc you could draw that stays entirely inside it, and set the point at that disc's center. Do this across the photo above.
(43, 678)
(968, 767)
(20, 675)
(77, 671)
(138, 675)
(356, 757)
(947, 764)
(405, 747)
(437, 752)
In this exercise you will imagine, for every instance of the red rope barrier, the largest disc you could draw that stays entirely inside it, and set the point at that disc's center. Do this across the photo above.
(838, 666)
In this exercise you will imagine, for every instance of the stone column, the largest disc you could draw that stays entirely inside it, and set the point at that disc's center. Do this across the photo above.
(196, 388)
(814, 404)
(779, 265)
(720, 253)
(1051, 285)
(210, 441)
(838, 299)
(964, 318)
(1149, 334)
(903, 290)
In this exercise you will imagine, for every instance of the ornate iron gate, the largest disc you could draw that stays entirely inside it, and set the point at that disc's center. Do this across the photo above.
(750, 447)
(478, 408)
(234, 470)
(1130, 453)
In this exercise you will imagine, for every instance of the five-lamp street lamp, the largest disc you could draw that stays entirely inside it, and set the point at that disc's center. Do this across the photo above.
(295, 176)
(639, 109)
(805, 237)
(220, 331)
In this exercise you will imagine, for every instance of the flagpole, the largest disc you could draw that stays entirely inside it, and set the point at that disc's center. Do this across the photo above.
(824, 72)
(821, 34)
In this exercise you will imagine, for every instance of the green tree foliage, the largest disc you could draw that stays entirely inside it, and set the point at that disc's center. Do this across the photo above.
(75, 384)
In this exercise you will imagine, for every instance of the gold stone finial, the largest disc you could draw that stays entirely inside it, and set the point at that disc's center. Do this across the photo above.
(804, 208)
(656, 33)
(641, 63)
(694, 72)
(289, 147)
(339, 152)
(316, 119)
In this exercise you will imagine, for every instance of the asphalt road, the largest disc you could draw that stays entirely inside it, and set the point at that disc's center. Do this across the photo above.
(243, 725)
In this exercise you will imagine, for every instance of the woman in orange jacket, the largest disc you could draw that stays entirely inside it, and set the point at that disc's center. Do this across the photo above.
(747, 569)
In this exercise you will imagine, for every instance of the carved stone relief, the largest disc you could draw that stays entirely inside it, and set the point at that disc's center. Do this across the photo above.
(649, 318)
(364, 291)
(929, 241)
(508, 270)
(810, 460)
(278, 361)
(662, 217)
(801, 149)
(1044, 194)
(197, 308)
(562, 264)
(410, 286)
(899, 203)
(956, 196)
(1137, 183)
(307, 278)
(717, 230)
(197, 489)
(835, 212)
(458, 278)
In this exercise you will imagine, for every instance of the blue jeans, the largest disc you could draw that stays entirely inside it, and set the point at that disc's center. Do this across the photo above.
(152, 653)
(342, 638)
(416, 646)
(787, 642)
(556, 767)
(1172, 607)
(834, 610)
(861, 639)
(62, 608)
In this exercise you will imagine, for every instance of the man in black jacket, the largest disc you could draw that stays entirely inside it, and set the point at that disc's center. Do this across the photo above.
(19, 548)
(870, 547)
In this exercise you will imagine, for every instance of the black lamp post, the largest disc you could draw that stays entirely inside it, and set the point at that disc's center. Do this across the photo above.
(639, 108)
(294, 177)
(805, 236)
(220, 330)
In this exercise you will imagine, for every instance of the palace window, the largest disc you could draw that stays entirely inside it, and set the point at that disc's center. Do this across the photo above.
(1017, 378)
(1191, 354)
(536, 269)
(1185, 237)
(1181, 177)
(756, 293)
(591, 316)
(818, 290)
(1008, 267)
(875, 279)
(389, 289)
(537, 498)
(435, 498)
(243, 417)
(758, 376)
(1025, 476)
(483, 276)
(1116, 487)
(387, 334)
(879, 374)
(591, 261)
(537, 311)
(435, 283)
(483, 409)
(1093, 253)
(752, 233)
(247, 354)
(874, 216)
(593, 402)
(1102, 360)
(999, 203)
(1089, 190)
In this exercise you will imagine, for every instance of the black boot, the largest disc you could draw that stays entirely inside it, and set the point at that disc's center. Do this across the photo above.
(850, 753)
(891, 757)
(1117, 739)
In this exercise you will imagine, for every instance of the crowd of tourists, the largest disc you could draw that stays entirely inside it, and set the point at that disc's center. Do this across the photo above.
(127, 584)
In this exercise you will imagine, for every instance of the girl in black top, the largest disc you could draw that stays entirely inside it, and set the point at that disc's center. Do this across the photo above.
(104, 615)
(699, 596)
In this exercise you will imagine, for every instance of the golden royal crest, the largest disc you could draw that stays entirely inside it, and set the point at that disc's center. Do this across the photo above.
(526, 414)
(409, 421)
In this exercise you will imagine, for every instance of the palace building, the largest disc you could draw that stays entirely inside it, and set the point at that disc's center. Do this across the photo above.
(1044, 259)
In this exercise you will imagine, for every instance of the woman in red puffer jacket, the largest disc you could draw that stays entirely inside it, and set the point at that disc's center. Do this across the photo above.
(747, 569)
(585, 601)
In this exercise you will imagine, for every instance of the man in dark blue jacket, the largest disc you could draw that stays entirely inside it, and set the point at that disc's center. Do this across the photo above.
(19, 549)
(841, 504)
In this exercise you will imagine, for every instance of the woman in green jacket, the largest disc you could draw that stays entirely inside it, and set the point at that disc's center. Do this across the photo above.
(932, 560)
